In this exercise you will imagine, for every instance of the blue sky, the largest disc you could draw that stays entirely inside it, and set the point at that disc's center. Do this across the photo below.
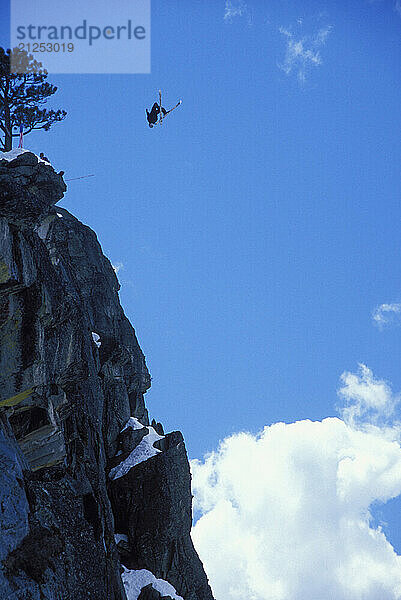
(258, 228)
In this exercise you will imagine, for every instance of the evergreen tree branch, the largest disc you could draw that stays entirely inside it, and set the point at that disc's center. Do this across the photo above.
(23, 93)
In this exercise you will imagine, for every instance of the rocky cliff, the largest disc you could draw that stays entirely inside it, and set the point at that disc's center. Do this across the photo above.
(94, 501)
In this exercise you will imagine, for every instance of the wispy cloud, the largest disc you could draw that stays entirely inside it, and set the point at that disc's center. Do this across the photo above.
(117, 267)
(286, 514)
(303, 52)
(368, 401)
(397, 7)
(235, 8)
(387, 314)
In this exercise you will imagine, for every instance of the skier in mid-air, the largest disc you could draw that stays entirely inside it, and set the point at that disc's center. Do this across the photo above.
(154, 115)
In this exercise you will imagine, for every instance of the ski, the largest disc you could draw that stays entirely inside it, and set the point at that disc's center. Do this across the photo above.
(161, 115)
(171, 109)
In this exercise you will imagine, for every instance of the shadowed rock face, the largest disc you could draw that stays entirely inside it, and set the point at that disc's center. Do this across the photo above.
(152, 505)
(71, 375)
(40, 185)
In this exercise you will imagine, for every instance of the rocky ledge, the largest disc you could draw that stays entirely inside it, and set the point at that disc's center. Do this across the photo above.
(24, 174)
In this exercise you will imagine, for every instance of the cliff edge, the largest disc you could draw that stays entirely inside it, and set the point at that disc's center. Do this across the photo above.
(95, 502)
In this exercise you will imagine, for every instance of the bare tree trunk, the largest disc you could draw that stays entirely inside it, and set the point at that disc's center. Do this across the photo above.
(8, 142)
(8, 138)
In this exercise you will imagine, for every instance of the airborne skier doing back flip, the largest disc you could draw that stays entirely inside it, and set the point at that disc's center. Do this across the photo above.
(155, 116)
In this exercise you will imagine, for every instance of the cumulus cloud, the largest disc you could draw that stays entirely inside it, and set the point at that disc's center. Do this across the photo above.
(387, 314)
(303, 52)
(235, 8)
(285, 514)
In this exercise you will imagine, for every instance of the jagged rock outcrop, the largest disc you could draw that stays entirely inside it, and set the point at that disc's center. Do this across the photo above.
(152, 506)
(34, 180)
(72, 375)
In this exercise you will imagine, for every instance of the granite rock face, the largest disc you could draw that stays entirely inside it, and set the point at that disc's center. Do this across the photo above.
(71, 375)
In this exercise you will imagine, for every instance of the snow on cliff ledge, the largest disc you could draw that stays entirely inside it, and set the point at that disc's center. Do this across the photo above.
(134, 581)
(16, 152)
(142, 452)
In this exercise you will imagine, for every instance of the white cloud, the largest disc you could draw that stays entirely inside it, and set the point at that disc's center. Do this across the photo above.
(236, 8)
(303, 52)
(286, 513)
(369, 401)
(386, 314)
(117, 267)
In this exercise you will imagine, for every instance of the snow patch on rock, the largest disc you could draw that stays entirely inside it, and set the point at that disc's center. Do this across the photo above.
(142, 452)
(96, 336)
(135, 580)
(15, 152)
(132, 423)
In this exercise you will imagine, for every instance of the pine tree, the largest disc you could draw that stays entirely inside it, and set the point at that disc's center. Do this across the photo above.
(22, 93)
